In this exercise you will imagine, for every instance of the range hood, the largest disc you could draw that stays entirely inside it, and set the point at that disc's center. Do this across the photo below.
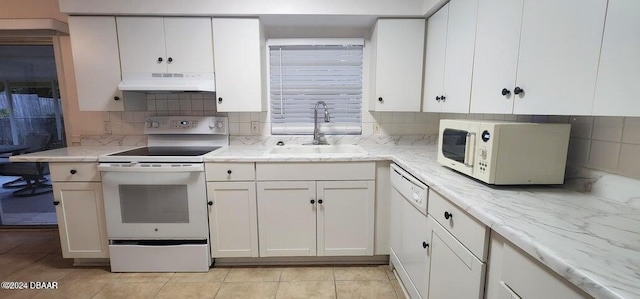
(167, 82)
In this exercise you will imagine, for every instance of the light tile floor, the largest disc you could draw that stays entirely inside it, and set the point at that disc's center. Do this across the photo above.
(33, 256)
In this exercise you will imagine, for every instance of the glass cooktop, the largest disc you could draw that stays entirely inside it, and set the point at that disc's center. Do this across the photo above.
(181, 151)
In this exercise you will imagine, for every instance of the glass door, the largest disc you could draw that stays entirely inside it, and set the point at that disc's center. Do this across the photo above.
(31, 120)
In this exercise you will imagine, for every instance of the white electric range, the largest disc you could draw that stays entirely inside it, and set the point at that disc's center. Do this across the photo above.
(155, 197)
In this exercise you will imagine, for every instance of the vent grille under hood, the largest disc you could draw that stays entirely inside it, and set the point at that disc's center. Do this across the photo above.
(168, 82)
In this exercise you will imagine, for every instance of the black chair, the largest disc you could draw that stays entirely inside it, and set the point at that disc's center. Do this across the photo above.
(32, 179)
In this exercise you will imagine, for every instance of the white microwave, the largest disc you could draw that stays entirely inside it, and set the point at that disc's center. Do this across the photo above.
(505, 153)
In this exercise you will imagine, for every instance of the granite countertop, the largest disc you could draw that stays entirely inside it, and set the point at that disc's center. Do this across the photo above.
(592, 242)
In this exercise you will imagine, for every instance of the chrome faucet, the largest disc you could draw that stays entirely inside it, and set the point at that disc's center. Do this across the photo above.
(318, 137)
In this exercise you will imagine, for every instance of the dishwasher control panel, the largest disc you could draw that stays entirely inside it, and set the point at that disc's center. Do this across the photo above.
(413, 191)
(418, 195)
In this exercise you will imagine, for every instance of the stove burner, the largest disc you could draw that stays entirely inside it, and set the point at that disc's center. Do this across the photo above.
(168, 151)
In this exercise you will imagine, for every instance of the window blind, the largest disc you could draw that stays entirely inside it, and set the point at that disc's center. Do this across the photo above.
(300, 76)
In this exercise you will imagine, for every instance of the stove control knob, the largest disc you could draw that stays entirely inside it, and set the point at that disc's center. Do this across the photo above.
(155, 124)
(219, 124)
(147, 124)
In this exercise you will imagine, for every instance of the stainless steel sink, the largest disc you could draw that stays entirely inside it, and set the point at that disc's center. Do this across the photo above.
(317, 149)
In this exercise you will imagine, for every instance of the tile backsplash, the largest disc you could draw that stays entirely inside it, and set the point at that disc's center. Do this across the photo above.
(611, 144)
(131, 121)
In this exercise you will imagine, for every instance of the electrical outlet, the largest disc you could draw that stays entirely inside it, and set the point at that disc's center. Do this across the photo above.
(255, 127)
(376, 128)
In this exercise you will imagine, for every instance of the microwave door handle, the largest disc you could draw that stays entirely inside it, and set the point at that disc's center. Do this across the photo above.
(468, 152)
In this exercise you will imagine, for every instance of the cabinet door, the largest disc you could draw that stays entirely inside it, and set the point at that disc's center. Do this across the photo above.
(619, 70)
(287, 218)
(238, 51)
(559, 51)
(399, 59)
(189, 45)
(81, 220)
(434, 60)
(94, 45)
(345, 218)
(233, 219)
(142, 44)
(454, 271)
(458, 65)
(496, 55)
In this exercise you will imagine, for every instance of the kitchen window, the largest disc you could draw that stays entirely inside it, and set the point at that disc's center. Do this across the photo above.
(301, 75)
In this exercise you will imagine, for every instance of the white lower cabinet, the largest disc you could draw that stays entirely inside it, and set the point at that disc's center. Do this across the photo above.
(454, 272)
(81, 220)
(287, 218)
(233, 219)
(77, 196)
(316, 218)
(515, 274)
(437, 256)
(345, 215)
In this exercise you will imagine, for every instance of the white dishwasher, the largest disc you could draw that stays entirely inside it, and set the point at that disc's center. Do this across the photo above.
(409, 234)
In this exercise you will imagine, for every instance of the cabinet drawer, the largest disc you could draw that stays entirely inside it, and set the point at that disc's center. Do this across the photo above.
(525, 277)
(74, 172)
(230, 172)
(469, 231)
(308, 171)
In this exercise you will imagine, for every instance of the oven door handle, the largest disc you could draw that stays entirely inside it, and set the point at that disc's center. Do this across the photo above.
(152, 169)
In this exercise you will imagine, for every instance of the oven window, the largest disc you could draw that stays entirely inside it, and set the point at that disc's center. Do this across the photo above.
(454, 144)
(154, 203)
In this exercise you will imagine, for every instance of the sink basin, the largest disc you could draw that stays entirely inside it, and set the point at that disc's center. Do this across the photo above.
(317, 149)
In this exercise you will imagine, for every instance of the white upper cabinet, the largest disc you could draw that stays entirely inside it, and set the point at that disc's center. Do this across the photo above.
(496, 55)
(559, 51)
(537, 57)
(434, 59)
(189, 45)
(620, 61)
(142, 45)
(239, 50)
(397, 48)
(161, 45)
(459, 39)
(94, 46)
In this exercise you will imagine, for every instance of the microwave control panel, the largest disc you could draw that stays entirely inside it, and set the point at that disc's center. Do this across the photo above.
(484, 146)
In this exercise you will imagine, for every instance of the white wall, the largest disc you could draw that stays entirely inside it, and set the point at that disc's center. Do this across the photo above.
(31, 9)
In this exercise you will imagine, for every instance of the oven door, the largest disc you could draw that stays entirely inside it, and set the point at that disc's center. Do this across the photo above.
(154, 200)
(457, 145)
